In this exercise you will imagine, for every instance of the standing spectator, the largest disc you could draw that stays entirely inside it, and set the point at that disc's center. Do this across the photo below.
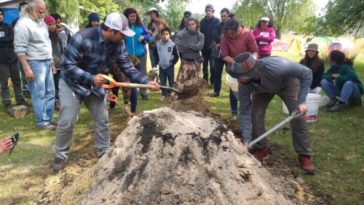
(153, 31)
(166, 57)
(208, 25)
(236, 40)
(136, 47)
(8, 66)
(22, 11)
(81, 81)
(341, 84)
(259, 81)
(313, 61)
(34, 50)
(189, 45)
(216, 52)
(264, 34)
(63, 32)
(183, 23)
(57, 53)
(93, 20)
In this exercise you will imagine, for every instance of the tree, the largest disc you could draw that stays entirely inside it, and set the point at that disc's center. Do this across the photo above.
(289, 14)
(102, 7)
(174, 12)
(344, 16)
(68, 9)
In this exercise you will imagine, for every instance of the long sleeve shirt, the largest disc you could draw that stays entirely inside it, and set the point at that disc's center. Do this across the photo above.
(277, 74)
(6, 44)
(190, 43)
(87, 55)
(208, 25)
(165, 54)
(264, 38)
(133, 45)
(32, 39)
(232, 47)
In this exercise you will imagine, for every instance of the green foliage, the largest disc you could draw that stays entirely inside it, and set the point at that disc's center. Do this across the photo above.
(344, 16)
(68, 9)
(287, 14)
(102, 7)
(174, 12)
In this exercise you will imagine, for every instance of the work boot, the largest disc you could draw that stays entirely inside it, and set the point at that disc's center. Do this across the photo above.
(261, 153)
(331, 103)
(306, 164)
(58, 164)
(338, 107)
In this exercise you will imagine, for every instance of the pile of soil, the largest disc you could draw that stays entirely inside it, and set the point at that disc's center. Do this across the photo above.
(170, 157)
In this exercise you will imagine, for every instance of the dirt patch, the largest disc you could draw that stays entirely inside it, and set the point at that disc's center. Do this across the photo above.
(169, 157)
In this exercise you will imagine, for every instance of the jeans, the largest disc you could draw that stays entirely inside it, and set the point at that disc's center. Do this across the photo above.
(206, 54)
(164, 75)
(233, 102)
(348, 91)
(11, 69)
(70, 108)
(42, 91)
(219, 66)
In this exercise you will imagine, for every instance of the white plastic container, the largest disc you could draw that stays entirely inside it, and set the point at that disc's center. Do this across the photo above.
(313, 103)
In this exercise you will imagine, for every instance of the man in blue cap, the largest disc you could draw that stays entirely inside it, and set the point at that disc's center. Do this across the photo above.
(262, 79)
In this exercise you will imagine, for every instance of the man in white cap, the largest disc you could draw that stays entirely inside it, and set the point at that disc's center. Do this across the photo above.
(85, 59)
(262, 79)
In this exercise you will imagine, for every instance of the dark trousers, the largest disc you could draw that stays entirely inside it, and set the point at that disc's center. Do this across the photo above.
(219, 67)
(164, 76)
(233, 102)
(12, 70)
(56, 78)
(133, 98)
(260, 101)
(206, 54)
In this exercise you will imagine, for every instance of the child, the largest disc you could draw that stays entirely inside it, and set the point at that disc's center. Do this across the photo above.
(190, 44)
(166, 57)
(57, 52)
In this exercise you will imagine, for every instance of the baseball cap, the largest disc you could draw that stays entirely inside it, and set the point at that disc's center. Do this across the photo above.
(243, 66)
(119, 22)
(264, 18)
(153, 9)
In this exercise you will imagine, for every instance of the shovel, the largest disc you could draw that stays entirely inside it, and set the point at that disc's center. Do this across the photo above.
(292, 116)
(111, 83)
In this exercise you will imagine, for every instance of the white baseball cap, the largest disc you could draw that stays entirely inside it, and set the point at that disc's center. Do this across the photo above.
(264, 18)
(119, 22)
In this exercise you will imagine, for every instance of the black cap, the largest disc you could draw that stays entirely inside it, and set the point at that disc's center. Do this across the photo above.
(209, 6)
(187, 14)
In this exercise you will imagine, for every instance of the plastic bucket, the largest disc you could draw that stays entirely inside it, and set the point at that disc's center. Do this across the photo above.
(313, 103)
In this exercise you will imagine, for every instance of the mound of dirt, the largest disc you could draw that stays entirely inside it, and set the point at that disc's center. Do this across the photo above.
(169, 157)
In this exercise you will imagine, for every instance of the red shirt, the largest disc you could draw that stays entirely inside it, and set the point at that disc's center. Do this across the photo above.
(245, 42)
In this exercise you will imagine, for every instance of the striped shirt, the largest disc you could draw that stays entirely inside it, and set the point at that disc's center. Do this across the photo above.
(87, 55)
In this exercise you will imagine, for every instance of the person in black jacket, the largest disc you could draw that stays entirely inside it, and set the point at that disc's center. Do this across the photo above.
(208, 24)
(9, 66)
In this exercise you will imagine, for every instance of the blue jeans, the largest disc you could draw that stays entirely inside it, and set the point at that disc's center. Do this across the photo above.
(349, 90)
(164, 75)
(42, 91)
(233, 102)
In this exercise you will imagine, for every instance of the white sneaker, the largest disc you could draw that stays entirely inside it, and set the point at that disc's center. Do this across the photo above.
(162, 98)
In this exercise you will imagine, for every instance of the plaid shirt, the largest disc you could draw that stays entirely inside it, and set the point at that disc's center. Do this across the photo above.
(87, 55)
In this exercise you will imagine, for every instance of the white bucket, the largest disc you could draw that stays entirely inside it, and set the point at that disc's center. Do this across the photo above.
(313, 103)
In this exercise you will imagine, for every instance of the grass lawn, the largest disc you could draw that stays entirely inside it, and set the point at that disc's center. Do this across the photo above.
(337, 144)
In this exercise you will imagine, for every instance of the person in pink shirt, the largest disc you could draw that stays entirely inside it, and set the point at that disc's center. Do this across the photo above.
(264, 35)
(235, 41)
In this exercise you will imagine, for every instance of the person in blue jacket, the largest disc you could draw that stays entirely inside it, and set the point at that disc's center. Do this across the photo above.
(136, 45)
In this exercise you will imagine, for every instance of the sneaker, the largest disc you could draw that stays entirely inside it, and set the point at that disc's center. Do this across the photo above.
(331, 103)
(58, 164)
(306, 164)
(338, 107)
(234, 117)
(261, 154)
(48, 127)
(100, 152)
(214, 95)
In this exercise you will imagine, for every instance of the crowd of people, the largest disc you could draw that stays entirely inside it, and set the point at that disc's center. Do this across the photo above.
(64, 71)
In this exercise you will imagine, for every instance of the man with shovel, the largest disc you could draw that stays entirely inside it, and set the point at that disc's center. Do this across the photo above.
(81, 81)
(262, 79)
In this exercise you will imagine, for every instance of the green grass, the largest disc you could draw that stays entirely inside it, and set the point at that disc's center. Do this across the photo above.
(337, 144)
